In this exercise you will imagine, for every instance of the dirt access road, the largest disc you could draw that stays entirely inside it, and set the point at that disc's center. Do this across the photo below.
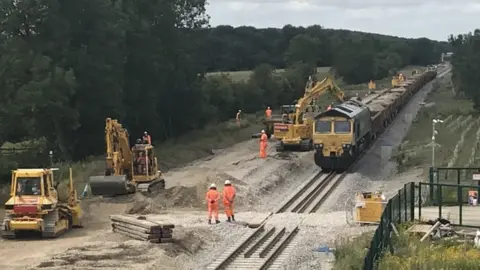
(182, 204)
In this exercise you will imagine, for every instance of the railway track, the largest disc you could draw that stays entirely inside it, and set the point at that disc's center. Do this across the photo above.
(267, 247)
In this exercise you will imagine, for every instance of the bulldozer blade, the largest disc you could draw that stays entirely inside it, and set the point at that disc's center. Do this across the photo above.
(109, 185)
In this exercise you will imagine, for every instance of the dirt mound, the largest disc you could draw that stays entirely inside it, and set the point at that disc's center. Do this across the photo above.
(175, 197)
(186, 241)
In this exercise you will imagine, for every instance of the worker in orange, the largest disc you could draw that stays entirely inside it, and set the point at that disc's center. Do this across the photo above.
(212, 198)
(237, 118)
(228, 197)
(268, 113)
(263, 145)
(147, 138)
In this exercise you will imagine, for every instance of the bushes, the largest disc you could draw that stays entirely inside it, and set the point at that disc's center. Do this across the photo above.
(413, 254)
(350, 253)
(265, 87)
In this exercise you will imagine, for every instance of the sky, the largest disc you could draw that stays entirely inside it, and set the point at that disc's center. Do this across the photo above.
(434, 19)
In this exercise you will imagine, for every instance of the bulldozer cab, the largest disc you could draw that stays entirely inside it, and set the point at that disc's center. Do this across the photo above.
(33, 182)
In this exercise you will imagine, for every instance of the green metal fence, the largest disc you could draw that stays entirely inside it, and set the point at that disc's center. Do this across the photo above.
(399, 209)
(448, 201)
(422, 202)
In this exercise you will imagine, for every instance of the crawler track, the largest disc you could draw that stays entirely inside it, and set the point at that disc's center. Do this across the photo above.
(266, 248)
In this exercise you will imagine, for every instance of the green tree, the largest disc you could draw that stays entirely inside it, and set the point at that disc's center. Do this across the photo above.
(466, 65)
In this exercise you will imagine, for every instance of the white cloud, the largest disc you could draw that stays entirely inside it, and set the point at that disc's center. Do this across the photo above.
(435, 19)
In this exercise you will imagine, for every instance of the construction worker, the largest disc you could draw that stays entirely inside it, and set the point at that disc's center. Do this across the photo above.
(212, 198)
(237, 118)
(141, 163)
(228, 197)
(263, 145)
(36, 189)
(268, 113)
(147, 138)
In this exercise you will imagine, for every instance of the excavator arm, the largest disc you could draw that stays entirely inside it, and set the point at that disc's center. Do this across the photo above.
(119, 153)
(313, 91)
(119, 157)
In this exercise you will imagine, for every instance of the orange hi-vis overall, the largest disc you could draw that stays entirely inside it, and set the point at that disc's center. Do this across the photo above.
(228, 196)
(237, 118)
(212, 201)
(147, 139)
(263, 146)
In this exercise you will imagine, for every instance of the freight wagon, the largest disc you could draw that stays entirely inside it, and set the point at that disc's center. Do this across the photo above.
(341, 134)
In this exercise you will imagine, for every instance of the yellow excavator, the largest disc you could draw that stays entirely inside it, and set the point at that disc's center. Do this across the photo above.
(35, 205)
(128, 169)
(296, 132)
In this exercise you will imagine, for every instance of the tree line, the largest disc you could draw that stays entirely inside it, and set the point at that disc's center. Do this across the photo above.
(66, 65)
(466, 65)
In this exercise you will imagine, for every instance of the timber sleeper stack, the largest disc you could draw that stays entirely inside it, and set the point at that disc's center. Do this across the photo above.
(140, 228)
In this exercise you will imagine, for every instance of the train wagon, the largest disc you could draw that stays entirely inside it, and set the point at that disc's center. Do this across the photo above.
(342, 134)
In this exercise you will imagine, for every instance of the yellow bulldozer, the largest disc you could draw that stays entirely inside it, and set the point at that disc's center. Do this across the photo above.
(128, 169)
(34, 205)
(296, 132)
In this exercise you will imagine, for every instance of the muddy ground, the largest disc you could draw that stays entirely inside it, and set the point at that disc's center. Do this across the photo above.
(261, 186)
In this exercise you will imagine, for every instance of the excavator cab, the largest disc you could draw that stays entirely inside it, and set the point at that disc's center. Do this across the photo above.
(144, 163)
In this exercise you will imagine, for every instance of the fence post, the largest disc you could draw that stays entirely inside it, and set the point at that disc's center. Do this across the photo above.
(439, 199)
(420, 201)
(388, 226)
(460, 202)
(405, 201)
(399, 195)
(431, 181)
(412, 201)
(458, 176)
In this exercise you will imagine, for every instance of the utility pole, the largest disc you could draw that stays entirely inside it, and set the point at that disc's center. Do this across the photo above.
(433, 144)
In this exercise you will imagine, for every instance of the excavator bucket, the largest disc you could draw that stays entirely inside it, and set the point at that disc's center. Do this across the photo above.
(109, 185)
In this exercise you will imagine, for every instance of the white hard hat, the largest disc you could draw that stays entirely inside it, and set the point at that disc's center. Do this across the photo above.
(263, 131)
(227, 182)
(213, 185)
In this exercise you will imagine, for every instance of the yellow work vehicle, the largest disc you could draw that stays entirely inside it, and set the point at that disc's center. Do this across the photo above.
(34, 205)
(397, 79)
(128, 170)
(296, 131)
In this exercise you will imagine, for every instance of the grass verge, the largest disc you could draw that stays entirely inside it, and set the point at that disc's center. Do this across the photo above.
(441, 103)
(350, 252)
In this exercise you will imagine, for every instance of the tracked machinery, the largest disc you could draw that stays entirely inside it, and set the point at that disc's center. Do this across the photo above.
(296, 132)
(286, 112)
(35, 205)
(128, 169)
